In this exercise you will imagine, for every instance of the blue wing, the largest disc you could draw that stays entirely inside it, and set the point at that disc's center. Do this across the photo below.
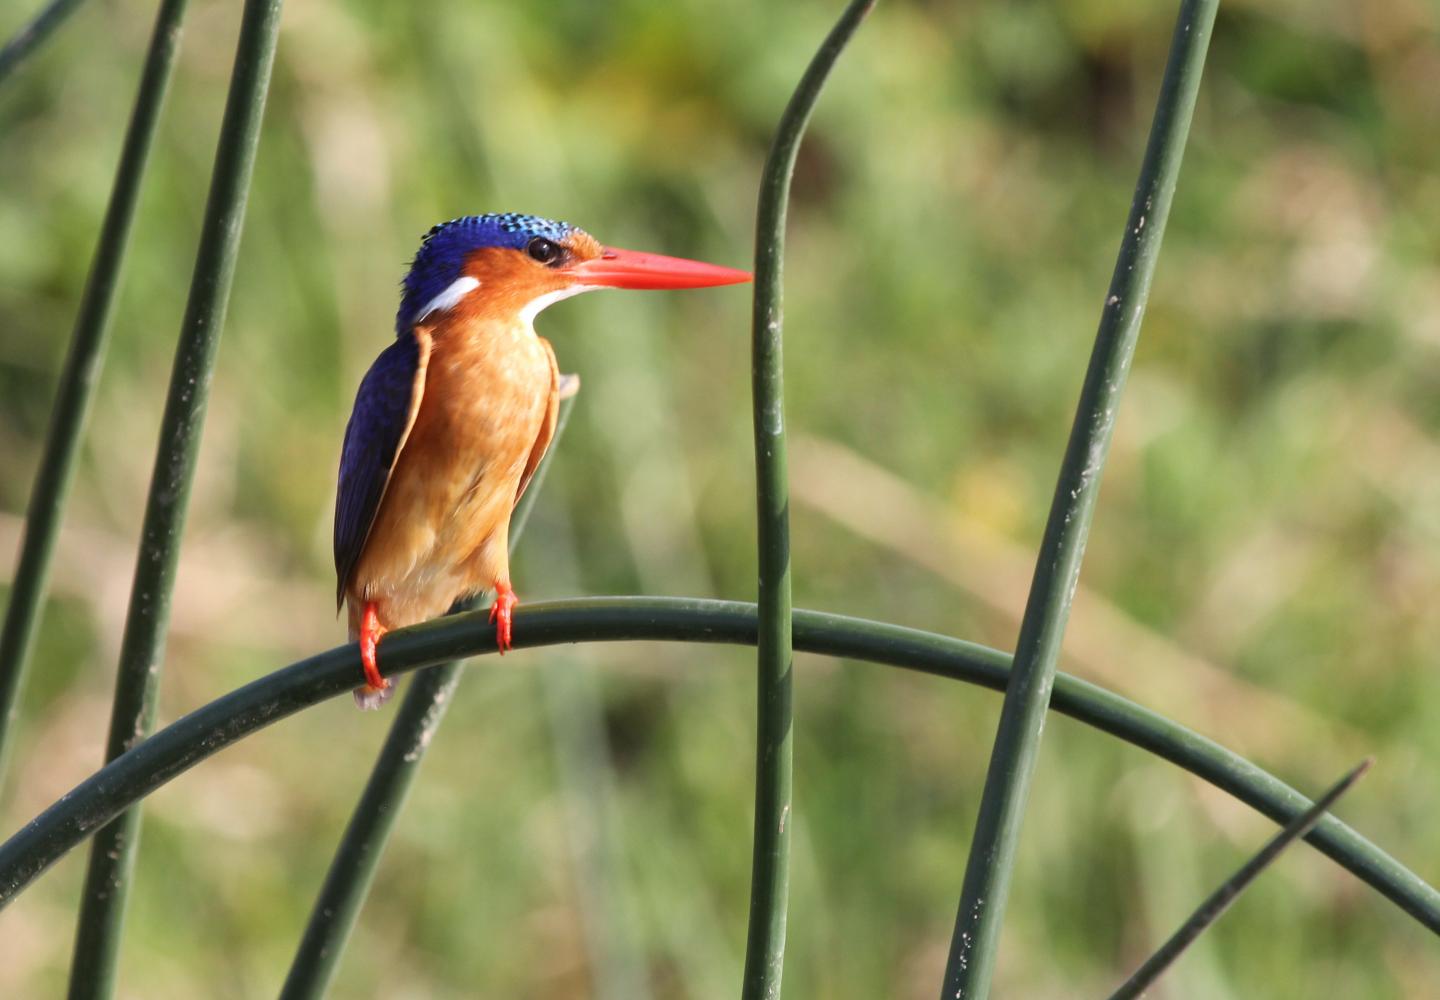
(385, 407)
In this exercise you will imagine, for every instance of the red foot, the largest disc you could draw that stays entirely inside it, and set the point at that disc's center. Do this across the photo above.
(500, 614)
(370, 633)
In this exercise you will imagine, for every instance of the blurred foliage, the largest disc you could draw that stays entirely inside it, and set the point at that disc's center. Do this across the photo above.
(1268, 524)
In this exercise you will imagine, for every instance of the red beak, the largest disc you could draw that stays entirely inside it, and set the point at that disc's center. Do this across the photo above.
(616, 268)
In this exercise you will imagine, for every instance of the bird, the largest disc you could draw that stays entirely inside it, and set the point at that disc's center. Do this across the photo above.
(452, 418)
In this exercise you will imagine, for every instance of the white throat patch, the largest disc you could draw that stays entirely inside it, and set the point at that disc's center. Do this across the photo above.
(535, 305)
(448, 299)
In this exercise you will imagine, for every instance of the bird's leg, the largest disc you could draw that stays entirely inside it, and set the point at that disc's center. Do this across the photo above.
(370, 633)
(505, 601)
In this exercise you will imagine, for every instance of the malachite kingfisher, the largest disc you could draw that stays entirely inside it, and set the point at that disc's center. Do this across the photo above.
(453, 417)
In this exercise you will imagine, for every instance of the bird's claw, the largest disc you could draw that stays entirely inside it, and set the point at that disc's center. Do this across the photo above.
(500, 614)
(370, 633)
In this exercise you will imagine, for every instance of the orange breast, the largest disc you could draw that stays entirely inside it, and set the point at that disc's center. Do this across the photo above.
(442, 527)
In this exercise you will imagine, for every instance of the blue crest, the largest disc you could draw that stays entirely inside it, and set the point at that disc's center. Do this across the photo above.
(446, 246)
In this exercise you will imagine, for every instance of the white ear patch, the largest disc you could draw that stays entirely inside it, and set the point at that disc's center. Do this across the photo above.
(533, 307)
(448, 299)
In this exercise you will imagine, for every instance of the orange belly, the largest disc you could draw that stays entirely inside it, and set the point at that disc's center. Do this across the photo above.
(442, 529)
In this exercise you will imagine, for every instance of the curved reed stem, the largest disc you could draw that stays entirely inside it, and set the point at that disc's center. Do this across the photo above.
(209, 729)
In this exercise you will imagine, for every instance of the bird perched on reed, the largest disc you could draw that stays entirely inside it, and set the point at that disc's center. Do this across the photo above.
(453, 417)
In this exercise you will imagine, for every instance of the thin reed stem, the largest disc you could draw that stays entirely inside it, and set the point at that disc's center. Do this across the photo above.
(142, 650)
(82, 371)
(27, 41)
(1220, 900)
(770, 863)
(352, 870)
(976, 938)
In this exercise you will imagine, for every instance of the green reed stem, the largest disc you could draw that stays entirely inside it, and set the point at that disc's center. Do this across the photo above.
(976, 937)
(352, 871)
(770, 863)
(142, 649)
(1219, 901)
(29, 38)
(82, 370)
(213, 727)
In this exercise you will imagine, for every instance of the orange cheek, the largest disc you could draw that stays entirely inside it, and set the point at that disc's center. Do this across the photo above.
(508, 281)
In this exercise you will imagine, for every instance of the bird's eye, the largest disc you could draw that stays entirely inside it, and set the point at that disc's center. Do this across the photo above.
(543, 250)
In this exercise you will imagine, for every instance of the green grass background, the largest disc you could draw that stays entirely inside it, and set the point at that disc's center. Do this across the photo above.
(1265, 562)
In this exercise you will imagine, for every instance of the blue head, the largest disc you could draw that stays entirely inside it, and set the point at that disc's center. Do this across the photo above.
(525, 263)
(448, 246)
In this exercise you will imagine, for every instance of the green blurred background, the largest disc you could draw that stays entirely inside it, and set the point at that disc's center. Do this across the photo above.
(1265, 563)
